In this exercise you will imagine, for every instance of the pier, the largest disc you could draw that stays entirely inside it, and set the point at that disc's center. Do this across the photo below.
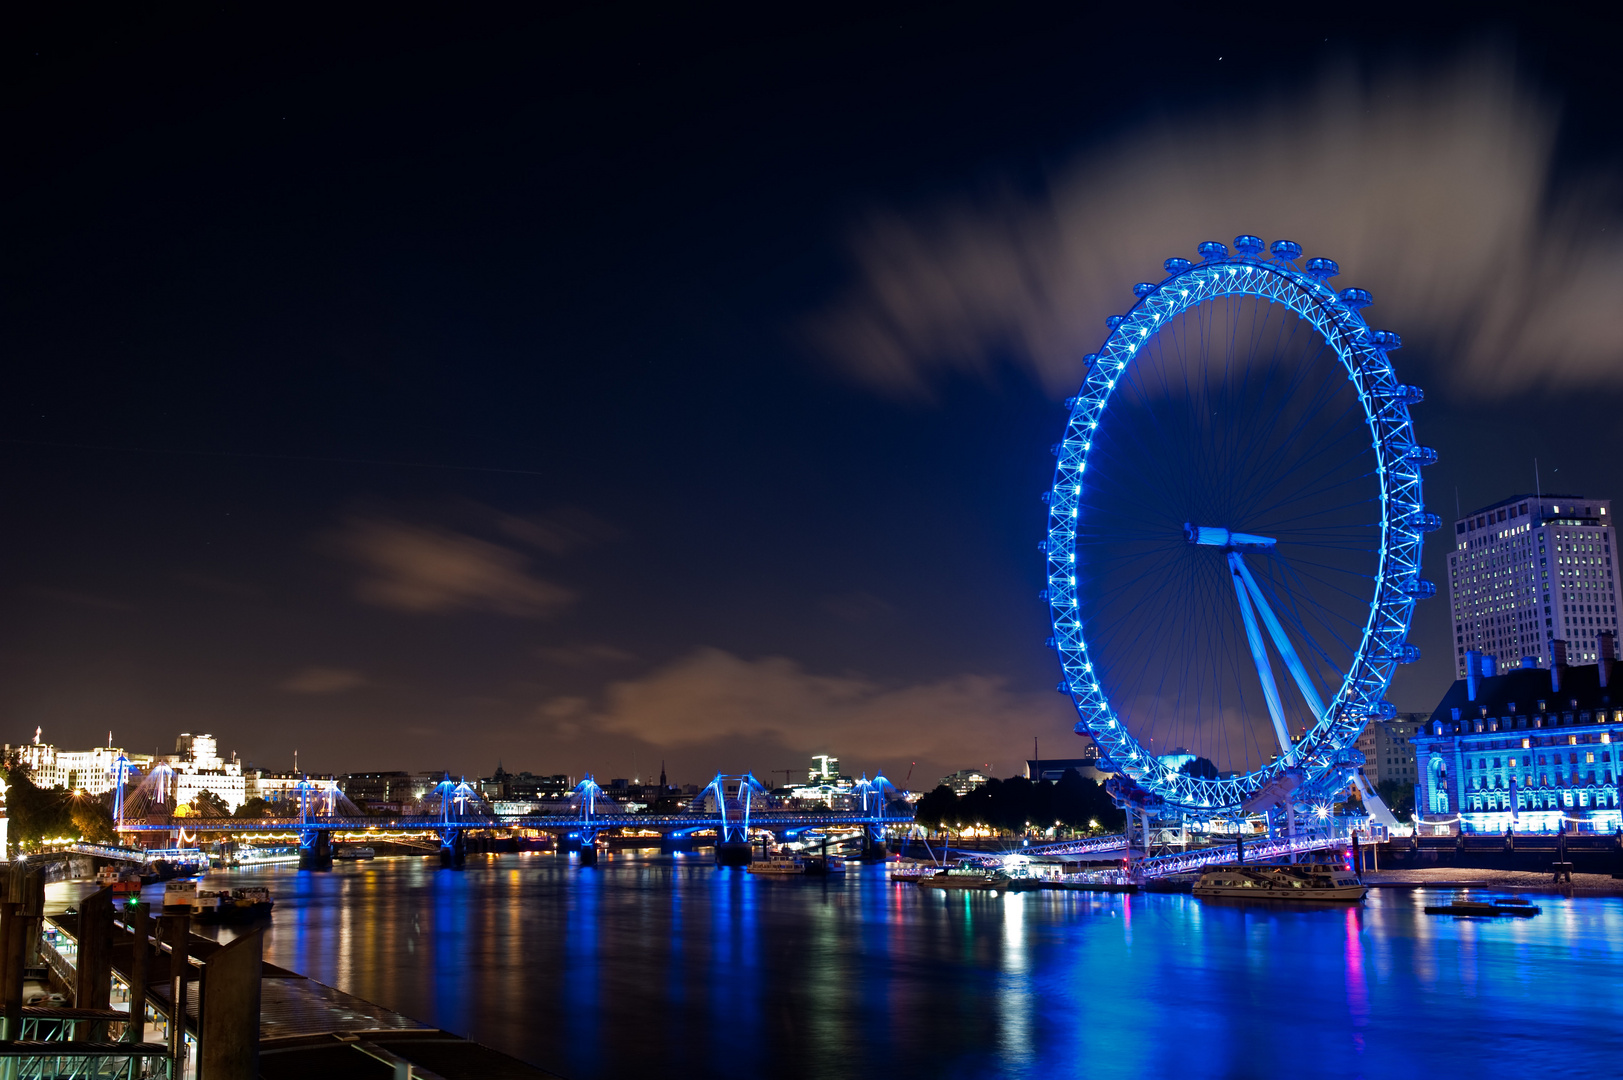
(237, 1018)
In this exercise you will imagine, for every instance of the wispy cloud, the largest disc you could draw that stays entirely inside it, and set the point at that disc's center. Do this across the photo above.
(1433, 190)
(89, 601)
(323, 680)
(579, 656)
(423, 568)
(561, 532)
(856, 607)
(711, 695)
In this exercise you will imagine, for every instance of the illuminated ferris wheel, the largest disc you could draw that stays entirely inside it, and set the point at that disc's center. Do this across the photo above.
(1235, 530)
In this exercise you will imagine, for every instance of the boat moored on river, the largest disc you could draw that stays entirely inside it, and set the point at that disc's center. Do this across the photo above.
(231, 905)
(1270, 881)
(977, 878)
(786, 865)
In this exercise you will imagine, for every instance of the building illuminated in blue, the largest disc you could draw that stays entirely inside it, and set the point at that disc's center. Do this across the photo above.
(1531, 749)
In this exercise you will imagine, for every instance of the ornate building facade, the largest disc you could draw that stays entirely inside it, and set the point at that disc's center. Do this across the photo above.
(1531, 749)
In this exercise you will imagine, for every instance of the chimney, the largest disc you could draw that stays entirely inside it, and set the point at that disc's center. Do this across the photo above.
(1490, 665)
(1606, 649)
(1473, 669)
(1529, 662)
(1558, 660)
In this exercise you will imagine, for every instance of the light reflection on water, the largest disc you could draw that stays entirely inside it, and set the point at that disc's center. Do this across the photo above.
(655, 963)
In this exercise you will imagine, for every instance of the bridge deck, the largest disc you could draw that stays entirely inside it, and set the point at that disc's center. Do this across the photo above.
(554, 822)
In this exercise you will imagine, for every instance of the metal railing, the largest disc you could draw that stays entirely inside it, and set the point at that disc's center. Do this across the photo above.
(1184, 862)
(29, 1060)
(601, 821)
(1087, 846)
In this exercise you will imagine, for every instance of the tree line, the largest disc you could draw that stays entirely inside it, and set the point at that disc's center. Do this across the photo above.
(1018, 805)
(38, 813)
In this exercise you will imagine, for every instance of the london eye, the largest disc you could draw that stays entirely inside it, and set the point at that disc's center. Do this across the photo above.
(1235, 531)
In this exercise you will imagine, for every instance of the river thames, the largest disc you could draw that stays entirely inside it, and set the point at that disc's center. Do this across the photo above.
(665, 965)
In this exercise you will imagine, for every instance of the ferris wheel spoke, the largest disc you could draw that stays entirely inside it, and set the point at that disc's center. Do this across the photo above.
(1326, 481)
(1282, 642)
(1299, 621)
(1259, 656)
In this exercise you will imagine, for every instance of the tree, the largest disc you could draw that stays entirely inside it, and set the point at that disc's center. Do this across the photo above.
(1200, 768)
(37, 813)
(1079, 802)
(93, 821)
(255, 807)
(1397, 795)
(209, 804)
(937, 808)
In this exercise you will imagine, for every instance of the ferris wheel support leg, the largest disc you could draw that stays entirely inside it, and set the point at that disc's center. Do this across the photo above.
(1259, 654)
(1297, 669)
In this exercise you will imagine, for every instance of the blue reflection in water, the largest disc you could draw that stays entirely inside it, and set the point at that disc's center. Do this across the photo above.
(579, 980)
(448, 940)
(660, 964)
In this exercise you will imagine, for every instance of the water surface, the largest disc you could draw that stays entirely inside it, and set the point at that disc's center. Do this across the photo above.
(650, 964)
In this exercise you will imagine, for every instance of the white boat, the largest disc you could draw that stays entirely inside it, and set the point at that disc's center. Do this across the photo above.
(968, 877)
(178, 895)
(1269, 881)
(779, 866)
(231, 905)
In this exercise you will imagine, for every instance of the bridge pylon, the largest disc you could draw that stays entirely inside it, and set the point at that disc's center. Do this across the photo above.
(734, 796)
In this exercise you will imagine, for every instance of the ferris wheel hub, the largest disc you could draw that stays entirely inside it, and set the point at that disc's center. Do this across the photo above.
(1216, 536)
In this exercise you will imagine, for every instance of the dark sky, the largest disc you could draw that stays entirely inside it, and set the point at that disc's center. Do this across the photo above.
(422, 391)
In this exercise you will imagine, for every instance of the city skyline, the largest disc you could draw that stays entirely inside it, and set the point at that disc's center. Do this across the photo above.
(675, 451)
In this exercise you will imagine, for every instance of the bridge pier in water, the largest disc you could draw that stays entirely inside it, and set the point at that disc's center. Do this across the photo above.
(734, 853)
(315, 849)
(673, 842)
(453, 849)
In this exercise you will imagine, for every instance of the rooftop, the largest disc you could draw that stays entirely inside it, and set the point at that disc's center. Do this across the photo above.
(1524, 688)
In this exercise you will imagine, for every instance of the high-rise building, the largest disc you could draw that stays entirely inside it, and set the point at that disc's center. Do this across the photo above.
(1388, 753)
(201, 750)
(1531, 569)
(825, 769)
(964, 781)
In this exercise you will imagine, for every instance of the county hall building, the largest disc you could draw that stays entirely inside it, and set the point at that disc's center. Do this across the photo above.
(1528, 748)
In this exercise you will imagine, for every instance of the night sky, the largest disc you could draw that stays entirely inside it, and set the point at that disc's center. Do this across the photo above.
(592, 389)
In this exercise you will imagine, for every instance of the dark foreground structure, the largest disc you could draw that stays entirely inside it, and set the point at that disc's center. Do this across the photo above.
(238, 1018)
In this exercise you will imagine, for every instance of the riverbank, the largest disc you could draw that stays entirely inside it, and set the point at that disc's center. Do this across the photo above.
(1457, 877)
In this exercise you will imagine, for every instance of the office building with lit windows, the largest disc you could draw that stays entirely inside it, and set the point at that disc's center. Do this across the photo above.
(1529, 570)
(1388, 750)
(1527, 749)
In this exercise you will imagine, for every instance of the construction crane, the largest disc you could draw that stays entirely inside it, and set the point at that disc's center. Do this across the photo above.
(787, 773)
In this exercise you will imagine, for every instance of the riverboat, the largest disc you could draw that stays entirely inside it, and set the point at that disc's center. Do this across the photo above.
(178, 895)
(974, 878)
(123, 882)
(779, 866)
(353, 851)
(1269, 881)
(232, 905)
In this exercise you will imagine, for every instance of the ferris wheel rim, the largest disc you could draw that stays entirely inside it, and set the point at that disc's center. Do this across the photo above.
(1326, 751)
